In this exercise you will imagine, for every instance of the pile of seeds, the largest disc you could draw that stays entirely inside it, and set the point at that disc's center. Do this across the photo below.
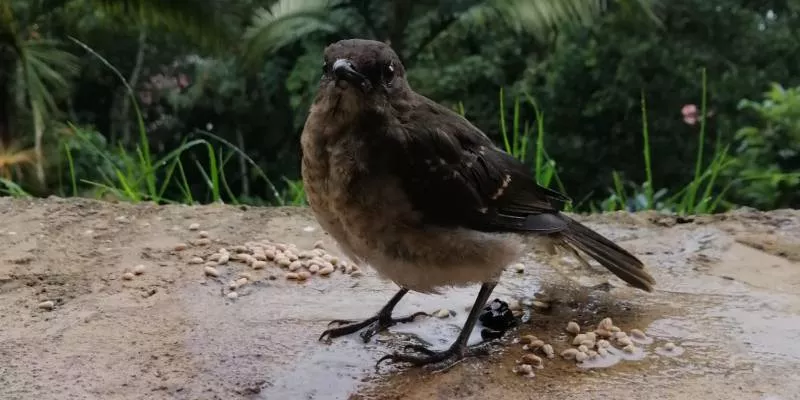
(298, 265)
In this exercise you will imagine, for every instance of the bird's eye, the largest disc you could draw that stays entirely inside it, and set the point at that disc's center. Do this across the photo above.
(325, 67)
(388, 72)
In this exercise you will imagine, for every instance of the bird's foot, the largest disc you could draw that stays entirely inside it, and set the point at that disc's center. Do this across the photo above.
(439, 361)
(374, 325)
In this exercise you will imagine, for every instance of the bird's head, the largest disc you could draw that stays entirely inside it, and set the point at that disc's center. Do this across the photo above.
(363, 73)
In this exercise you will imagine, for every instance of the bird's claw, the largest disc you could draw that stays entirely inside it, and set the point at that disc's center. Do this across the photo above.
(374, 325)
(437, 361)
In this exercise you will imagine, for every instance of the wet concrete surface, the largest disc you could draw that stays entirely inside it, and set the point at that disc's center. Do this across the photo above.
(732, 307)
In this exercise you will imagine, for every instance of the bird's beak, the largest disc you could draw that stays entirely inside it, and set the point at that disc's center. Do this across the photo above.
(344, 70)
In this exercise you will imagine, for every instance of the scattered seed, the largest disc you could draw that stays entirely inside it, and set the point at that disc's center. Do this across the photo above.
(356, 274)
(292, 256)
(232, 285)
(569, 354)
(181, 247)
(603, 333)
(326, 270)
(202, 242)
(313, 268)
(591, 336)
(624, 342)
(318, 252)
(246, 275)
(524, 369)
(211, 271)
(541, 304)
(196, 260)
(602, 351)
(620, 335)
(214, 257)
(531, 359)
(536, 344)
(578, 339)
(270, 254)
(194, 226)
(583, 349)
(292, 275)
(232, 295)
(638, 334)
(573, 327)
(348, 269)
(519, 268)
(47, 305)
(548, 351)
(260, 256)
(241, 282)
(203, 234)
(334, 260)
(615, 329)
(581, 356)
(259, 264)
(603, 344)
(592, 354)
(319, 244)
(605, 323)
(303, 275)
(139, 269)
(588, 343)
(443, 313)
(527, 339)
(239, 249)
(669, 346)
(629, 348)
(283, 261)
(223, 259)
(127, 276)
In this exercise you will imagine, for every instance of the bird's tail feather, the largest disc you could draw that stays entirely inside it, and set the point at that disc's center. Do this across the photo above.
(619, 261)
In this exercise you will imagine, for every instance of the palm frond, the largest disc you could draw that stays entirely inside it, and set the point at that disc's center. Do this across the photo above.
(285, 22)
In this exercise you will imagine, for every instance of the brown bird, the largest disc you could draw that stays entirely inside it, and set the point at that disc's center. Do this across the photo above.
(425, 198)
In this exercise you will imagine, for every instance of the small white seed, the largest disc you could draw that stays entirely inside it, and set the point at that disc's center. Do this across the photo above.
(232, 295)
(592, 354)
(602, 351)
(223, 259)
(246, 275)
(292, 275)
(569, 354)
(290, 255)
(239, 249)
(588, 343)
(303, 275)
(591, 336)
(531, 359)
(281, 246)
(232, 285)
(203, 234)
(181, 247)
(615, 329)
(443, 313)
(669, 346)
(313, 268)
(241, 282)
(548, 351)
(295, 265)
(527, 339)
(603, 333)
(578, 339)
(524, 369)
(519, 267)
(259, 264)
(605, 323)
(629, 348)
(583, 349)
(620, 335)
(319, 252)
(624, 342)
(211, 271)
(356, 274)
(326, 270)
(47, 305)
(202, 242)
(139, 269)
(270, 254)
(319, 244)
(581, 357)
(214, 257)
(638, 334)
(573, 327)
(196, 260)
(603, 344)
(127, 276)
(194, 226)
(260, 256)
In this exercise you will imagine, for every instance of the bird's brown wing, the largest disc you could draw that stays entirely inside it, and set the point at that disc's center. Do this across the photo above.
(455, 176)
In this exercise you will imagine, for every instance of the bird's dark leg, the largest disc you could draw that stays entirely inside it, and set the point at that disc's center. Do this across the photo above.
(375, 324)
(459, 349)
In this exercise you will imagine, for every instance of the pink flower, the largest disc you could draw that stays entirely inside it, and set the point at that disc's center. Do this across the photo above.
(689, 112)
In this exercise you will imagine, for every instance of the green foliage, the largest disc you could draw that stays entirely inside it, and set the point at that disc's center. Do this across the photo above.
(766, 166)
